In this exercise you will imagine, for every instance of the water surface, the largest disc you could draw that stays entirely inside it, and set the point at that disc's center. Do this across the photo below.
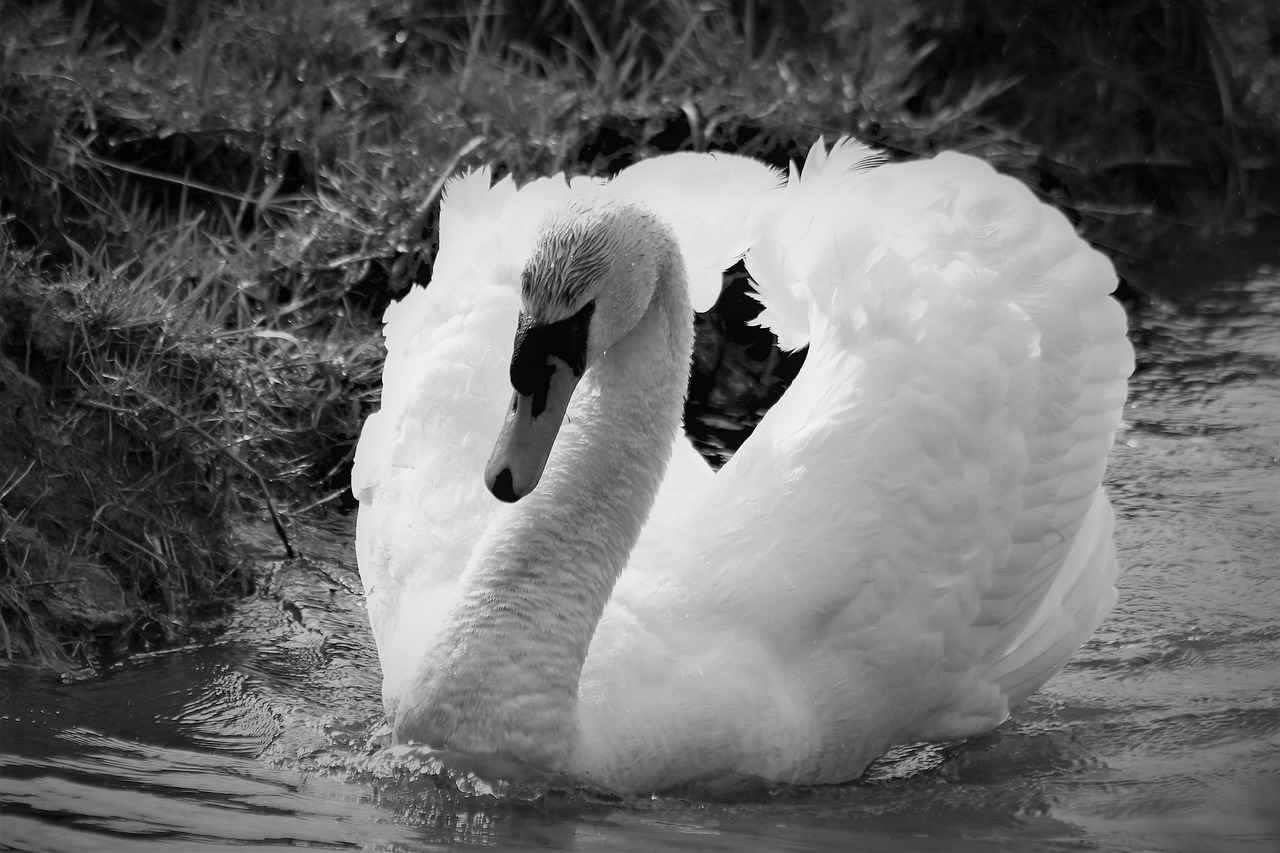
(1163, 733)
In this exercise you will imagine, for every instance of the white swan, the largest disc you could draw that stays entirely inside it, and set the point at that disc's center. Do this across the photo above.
(913, 540)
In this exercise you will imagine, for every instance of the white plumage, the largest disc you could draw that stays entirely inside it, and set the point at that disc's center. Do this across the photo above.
(913, 540)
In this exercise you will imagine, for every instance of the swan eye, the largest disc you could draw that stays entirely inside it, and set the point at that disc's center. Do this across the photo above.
(537, 342)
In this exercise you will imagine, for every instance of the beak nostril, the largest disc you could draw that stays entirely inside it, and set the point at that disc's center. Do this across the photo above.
(503, 489)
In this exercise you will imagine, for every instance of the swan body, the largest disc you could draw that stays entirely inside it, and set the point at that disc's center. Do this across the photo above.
(913, 540)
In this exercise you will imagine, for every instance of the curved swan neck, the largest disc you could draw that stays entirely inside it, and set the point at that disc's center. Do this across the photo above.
(503, 675)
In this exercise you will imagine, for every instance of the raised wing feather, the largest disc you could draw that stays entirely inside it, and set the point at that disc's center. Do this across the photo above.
(781, 229)
(709, 200)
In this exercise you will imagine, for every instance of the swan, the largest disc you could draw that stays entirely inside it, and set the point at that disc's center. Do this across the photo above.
(913, 540)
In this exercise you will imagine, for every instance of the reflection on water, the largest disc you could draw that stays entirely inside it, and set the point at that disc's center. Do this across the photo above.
(1162, 734)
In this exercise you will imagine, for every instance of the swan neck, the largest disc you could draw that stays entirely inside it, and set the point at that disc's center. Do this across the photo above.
(503, 676)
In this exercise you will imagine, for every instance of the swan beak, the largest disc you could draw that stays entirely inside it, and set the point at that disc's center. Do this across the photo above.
(528, 433)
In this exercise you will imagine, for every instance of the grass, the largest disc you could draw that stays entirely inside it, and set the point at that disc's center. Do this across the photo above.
(112, 528)
(204, 208)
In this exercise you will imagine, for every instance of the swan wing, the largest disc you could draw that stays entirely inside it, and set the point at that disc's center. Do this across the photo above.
(946, 439)
(914, 537)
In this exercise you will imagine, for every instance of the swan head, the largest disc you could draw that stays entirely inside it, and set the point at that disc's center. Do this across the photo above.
(588, 281)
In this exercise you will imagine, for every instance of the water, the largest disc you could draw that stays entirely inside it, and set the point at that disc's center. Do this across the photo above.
(1162, 734)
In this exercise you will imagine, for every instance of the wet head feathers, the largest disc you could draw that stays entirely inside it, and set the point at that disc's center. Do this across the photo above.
(582, 244)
